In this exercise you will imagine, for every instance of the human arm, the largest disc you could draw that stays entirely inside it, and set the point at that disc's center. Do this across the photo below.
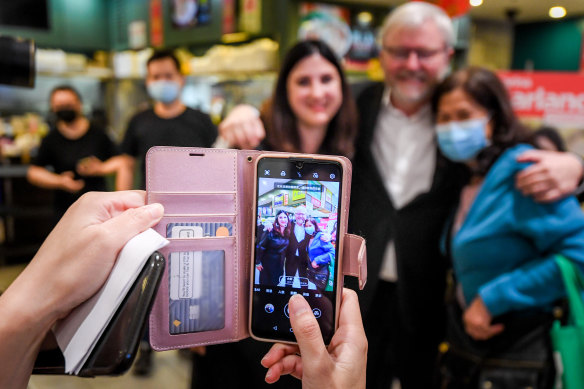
(44, 178)
(545, 230)
(71, 265)
(341, 365)
(261, 249)
(125, 172)
(323, 259)
(552, 176)
(120, 165)
(242, 128)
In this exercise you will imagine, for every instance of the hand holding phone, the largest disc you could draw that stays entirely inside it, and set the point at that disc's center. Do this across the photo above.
(343, 365)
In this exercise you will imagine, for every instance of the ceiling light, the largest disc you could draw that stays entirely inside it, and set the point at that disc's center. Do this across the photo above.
(557, 12)
(476, 3)
(364, 18)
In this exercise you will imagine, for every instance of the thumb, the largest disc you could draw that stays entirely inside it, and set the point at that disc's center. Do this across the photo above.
(306, 329)
(530, 156)
(134, 220)
(68, 173)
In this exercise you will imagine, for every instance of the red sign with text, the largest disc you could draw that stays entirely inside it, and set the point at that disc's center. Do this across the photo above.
(553, 98)
(156, 23)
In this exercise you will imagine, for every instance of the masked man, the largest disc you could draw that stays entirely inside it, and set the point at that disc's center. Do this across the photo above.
(71, 144)
(169, 122)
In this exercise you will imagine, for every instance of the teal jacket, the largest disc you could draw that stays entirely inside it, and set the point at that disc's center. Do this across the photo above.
(504, 251)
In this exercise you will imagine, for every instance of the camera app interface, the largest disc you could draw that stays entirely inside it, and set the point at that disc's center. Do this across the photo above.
(297, 213)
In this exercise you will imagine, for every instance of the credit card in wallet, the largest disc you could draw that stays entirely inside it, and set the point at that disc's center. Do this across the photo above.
(198, 230)
(197, 291)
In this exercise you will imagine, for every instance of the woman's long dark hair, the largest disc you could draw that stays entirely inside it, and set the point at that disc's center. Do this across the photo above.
(487, 90)
(277, 225)
(280, 121)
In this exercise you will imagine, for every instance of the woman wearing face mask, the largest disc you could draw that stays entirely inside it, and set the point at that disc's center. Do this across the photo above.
(321, 254)
(311, 111)
(271, 249)
(502, 244)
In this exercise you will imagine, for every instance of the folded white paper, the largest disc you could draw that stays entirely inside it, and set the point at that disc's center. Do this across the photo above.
(78, 333)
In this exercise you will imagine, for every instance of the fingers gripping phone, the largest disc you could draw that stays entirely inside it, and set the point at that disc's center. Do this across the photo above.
(297, 243)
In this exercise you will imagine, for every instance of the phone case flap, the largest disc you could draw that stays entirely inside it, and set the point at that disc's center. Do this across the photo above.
(355, 258)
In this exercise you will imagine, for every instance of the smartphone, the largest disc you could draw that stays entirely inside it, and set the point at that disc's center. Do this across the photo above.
(296, 244)
(118, 345)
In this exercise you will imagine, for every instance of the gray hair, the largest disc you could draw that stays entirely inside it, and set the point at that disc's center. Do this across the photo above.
(416, 13)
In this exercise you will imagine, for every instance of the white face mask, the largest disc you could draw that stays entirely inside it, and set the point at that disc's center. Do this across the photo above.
(164, 91)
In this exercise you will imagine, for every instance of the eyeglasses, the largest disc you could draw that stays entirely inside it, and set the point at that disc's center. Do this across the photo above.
(403, 53)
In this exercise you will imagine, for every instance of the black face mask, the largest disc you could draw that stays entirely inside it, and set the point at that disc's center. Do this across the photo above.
(67, 115)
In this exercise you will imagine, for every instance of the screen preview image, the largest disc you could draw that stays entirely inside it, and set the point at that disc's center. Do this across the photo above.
(296, 245)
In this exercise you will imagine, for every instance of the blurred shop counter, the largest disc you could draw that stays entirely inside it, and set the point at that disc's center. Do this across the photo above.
(26, 215)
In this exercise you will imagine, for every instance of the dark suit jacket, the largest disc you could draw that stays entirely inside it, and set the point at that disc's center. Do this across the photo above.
(416, 228)
(294, 244)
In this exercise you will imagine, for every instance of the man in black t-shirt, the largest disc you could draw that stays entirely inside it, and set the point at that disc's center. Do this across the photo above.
(73, 143)
(169, 122)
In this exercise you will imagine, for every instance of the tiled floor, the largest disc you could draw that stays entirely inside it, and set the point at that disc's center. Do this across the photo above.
(170, 371)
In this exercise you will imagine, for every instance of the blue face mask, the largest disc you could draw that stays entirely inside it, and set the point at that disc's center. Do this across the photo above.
(164, 91)
(309, 230)
(461, 141)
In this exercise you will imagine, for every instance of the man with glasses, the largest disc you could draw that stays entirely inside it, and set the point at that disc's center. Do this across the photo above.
(399, 173)
(397, 169)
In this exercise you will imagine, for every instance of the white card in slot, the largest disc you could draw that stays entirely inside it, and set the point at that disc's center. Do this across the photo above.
(186, 267)
(186, 270)
(186, 232)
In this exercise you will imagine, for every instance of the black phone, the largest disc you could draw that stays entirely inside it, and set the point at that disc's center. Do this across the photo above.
(296, 243)
(117, 347)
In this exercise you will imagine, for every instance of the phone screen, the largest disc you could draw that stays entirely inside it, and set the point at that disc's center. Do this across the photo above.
(296, 243)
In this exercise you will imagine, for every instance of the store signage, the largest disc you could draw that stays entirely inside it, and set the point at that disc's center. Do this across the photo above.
(315, 202)
(279, 200)
(156, 23)
(552, 98)
(298, 195)
(250, 18)
(329, 196)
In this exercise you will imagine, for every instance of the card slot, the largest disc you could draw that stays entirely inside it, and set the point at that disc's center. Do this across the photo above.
(163, 321)
(201, 244)
(170, 193)
(222, 203)
(205, 215)
(205, 225)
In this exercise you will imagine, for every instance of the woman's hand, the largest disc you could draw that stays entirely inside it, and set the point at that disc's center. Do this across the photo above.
(71, 265)
(259, 267)
(477, 321)
(342, 365)
(314, 264)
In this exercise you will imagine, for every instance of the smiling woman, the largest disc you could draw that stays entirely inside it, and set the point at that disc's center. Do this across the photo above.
(312, 110)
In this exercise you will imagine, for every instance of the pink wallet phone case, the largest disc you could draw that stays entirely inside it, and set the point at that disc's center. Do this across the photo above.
(216, 187)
